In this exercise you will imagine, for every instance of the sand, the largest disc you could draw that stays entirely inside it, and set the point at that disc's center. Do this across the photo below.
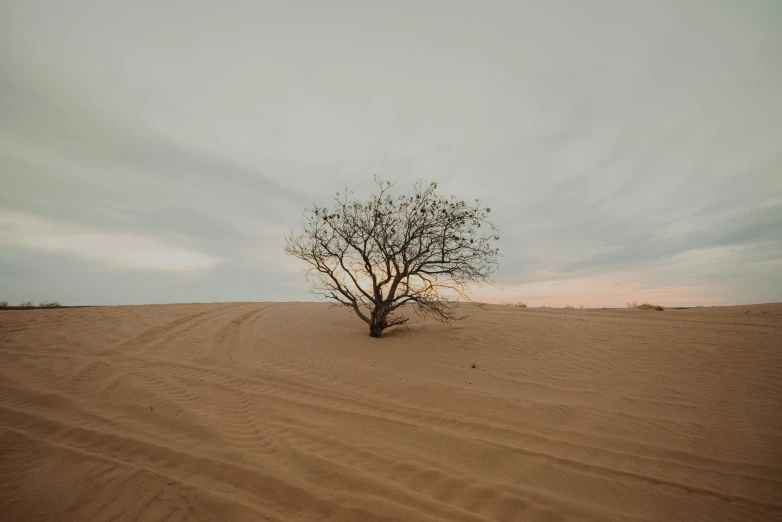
(289, 411)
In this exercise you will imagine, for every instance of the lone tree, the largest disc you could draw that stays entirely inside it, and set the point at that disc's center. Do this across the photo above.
(380, 254)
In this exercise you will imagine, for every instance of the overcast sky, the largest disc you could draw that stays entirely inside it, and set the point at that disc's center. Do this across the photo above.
(159, 151)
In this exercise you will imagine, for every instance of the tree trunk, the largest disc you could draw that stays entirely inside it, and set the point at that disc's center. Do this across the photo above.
(376, 331)
(377, 323)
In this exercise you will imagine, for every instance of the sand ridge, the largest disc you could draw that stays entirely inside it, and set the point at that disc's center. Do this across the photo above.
(289, 411)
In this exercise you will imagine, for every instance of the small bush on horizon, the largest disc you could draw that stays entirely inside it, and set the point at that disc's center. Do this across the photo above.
(518, 304)
(27, 304)
(581, 306)
(568, 306)
(50, 304)
(649, 306)
(631, 304)
(3, 304)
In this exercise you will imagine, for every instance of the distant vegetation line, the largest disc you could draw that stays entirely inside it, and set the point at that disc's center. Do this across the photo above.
(28, 305)
(630, 304)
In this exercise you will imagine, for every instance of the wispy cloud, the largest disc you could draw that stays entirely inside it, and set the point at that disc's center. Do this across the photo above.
(602, 291)
(634, 144)
(119, 250)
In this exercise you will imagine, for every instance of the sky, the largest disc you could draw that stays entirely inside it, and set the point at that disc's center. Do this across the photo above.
(155, 152)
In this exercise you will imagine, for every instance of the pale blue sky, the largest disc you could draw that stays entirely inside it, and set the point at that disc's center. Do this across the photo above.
(159, 151)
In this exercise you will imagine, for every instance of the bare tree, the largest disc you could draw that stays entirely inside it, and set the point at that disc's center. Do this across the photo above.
(380, 254)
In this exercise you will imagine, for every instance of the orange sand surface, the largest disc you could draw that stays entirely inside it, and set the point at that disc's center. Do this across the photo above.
(290, 411)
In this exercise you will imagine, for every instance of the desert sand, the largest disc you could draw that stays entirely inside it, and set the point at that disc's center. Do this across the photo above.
(289, 411)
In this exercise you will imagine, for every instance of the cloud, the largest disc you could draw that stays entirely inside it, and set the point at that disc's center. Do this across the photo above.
(628, 143)
(602, 291)
(118, 250)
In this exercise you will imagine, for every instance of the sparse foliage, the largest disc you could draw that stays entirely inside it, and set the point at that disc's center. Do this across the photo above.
(49, 304)
(27, 304)
(3, 304)
(377, 255)
(568, 306)
(518, 304)
(644, 306)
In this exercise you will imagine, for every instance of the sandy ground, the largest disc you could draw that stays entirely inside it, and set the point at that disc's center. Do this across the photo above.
(289, 411)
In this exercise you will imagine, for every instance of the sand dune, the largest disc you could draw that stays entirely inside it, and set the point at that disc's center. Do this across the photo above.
(289, 411)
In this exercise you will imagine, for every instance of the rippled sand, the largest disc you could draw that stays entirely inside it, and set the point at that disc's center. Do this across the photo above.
(289, 411)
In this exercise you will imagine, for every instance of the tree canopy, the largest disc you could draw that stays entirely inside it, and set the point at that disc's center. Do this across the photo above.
(380, 254)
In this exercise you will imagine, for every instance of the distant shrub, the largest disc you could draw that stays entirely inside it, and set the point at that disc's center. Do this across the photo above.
(568, 306)
(518, 304)
(581, 306)
(3, 304)
(631, 304)
(27, 304)
(50, 304)
(649, 306)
